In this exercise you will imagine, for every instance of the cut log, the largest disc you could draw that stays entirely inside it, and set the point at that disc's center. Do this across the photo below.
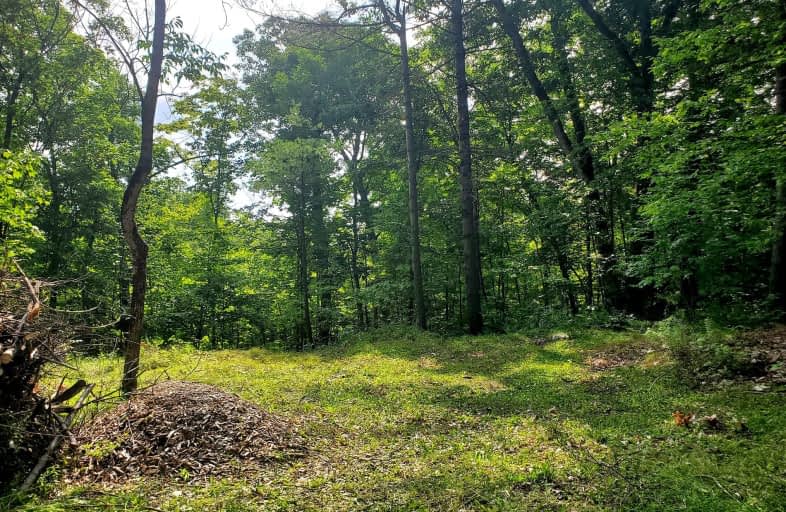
(7, 356)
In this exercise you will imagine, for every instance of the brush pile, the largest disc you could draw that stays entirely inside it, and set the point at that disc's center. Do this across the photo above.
(29, 339)
(181, 429)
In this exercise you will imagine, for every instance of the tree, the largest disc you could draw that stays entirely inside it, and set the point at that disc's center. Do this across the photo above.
(136, 182)
(396, 20)
(469, 216)
(298, 172)
(306, 81)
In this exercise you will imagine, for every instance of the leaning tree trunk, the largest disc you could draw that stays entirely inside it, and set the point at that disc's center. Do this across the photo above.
(469, 220)
(577, 152)
(144, 166)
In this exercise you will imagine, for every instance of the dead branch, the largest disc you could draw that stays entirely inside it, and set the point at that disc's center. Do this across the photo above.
(44, 460)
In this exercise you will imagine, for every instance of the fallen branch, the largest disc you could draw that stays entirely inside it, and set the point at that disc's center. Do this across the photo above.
(33, 308)
(44, 460)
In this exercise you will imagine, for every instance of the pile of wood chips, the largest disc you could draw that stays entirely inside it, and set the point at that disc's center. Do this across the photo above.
(181, 429)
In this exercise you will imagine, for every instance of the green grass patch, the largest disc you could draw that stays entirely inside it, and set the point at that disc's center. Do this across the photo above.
(398, 420)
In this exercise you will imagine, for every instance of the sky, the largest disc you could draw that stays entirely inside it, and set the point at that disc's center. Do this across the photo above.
(213, 23)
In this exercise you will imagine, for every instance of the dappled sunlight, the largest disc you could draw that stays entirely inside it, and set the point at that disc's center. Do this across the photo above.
(464, 423)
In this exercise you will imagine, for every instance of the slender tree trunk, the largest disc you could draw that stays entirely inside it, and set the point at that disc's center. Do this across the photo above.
(306, 334)
(777, 281)
(361, 208)
(136, 244)
(412, 178)
(590, 292)
(10, 111)
(322, 257)
(353, 263)
(469, 221)
(562, 261)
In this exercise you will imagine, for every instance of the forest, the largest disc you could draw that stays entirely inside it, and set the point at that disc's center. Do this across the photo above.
(427, 192)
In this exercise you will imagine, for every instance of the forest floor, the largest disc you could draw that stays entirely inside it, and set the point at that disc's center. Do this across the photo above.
(396, 420)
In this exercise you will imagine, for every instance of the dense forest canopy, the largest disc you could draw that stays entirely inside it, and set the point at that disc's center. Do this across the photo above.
(456, 165)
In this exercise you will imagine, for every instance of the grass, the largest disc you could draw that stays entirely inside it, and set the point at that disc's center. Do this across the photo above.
(403, 421)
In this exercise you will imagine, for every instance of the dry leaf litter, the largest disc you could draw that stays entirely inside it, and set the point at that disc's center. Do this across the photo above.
(181, 429)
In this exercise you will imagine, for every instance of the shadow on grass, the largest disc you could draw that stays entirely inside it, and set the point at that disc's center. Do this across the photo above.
(628, 410)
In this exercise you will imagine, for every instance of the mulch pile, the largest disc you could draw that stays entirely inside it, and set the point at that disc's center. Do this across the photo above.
(181, 429)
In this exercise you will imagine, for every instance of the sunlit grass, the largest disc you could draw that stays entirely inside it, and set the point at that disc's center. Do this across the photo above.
(398, 420)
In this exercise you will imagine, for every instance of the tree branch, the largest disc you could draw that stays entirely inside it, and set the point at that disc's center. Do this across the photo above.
(618, 44)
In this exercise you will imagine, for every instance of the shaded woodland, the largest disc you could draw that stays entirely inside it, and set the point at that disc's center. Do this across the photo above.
(287, 246)
(462, 166)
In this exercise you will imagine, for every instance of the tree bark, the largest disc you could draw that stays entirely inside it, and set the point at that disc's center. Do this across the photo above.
(136, 182)
(777, 280)
(412, 175)
(469, 220)
(306, 334)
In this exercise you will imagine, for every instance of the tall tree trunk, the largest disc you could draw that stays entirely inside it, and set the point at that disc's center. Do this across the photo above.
(324, 280)
(361, 209)
(589, 291)
(306, 335)
(777, 281)
(412, 177)
(136, 182)
(10, 110)
(562, 261)
(353, 263)
(645, 97)
(469, 220)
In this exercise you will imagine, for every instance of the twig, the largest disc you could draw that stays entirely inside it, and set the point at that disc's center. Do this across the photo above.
(30, 286)
(35, 305)
(42, 462)
(722, 488)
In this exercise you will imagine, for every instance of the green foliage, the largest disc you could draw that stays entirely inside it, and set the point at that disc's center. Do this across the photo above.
(709, 354)
(676, 113)
(21, 196)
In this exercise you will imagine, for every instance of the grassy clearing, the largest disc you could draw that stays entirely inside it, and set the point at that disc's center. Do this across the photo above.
(404, 421)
